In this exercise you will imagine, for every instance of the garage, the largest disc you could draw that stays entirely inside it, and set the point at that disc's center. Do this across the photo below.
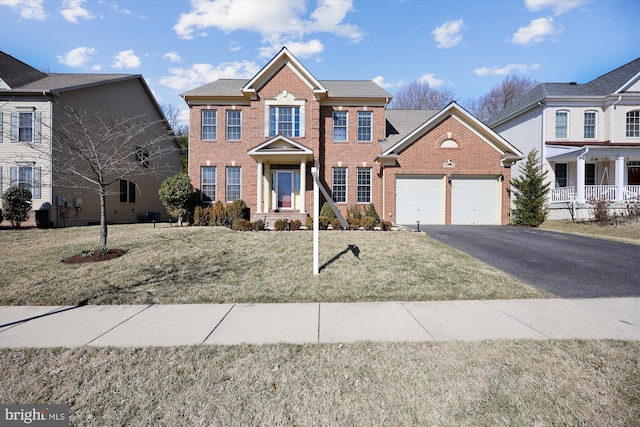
(475, 200)
(420, 198)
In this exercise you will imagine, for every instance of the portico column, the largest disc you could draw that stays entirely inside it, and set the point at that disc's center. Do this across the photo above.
(259, 188)
(267, 196)
(620, 178)
(580, 179)
(303, 185)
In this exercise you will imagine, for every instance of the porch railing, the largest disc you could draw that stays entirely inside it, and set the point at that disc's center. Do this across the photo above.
(593, 192)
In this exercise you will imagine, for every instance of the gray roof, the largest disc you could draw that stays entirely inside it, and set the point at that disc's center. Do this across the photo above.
(604, 85)
(335, 89)
(401, 123)
(58, 82)
(16, 73)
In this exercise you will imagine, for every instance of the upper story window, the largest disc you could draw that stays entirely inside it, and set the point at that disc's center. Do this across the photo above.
(284, 121)
(209, 125)
(142, 157)
(29, 177)
(340, 126)
(25, 126)
(589, 124)
(339, 185)
(561, 175)
(234, 125)
(562, 119)
(364, 125)
(208, 183)
(633, 124)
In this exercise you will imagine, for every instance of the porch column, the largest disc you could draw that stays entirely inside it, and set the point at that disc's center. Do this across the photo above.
(259, 188)
(580, 179)
(620, 178)
(303, 185)
(267, 195)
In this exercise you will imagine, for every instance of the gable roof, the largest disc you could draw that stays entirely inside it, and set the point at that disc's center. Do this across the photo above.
(613, 82)
(400, 123)
(475, 125)
(280, 144)
(15, 73)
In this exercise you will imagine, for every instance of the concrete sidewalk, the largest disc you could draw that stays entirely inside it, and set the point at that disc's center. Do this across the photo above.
(226, 324)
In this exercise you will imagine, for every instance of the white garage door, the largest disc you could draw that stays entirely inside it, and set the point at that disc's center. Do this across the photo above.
(475, 201)
(419, 198)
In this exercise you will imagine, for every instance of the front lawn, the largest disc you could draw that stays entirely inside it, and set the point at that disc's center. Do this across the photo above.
(216, 265)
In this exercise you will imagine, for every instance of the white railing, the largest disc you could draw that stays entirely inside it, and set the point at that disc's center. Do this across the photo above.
(593, 192)
(562, 194)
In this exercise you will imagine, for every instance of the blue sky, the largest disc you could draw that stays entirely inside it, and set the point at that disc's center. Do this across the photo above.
(467, 46)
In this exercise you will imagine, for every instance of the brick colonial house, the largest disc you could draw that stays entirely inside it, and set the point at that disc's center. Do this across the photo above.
(257, 140)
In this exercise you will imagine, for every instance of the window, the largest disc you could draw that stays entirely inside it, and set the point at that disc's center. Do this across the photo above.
(142, 157)
(340, 126)
(27, 177)
(364, 185)
(561, 123)
(339, 185)
(25, 127)
(234, 125)
(284, 121)
(633, 124)
(233, 183)
(127, 191)
(590, 174)
(590, 124)
(209, 125)
(364, 125)
(561, 175)
(208, 183)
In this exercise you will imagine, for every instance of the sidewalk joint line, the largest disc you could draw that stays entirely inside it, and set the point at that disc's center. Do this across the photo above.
(417, 321)
(487, 302)
(218, 324)
(124, 321)
(319, 307)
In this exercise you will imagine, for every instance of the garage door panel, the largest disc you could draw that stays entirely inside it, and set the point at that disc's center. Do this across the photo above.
(475, 201)
(419, 198)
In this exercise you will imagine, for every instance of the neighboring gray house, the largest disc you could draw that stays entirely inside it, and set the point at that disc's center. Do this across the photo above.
(588, 137)
(30, 108)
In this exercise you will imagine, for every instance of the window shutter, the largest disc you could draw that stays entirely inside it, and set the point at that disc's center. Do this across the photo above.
(37, 125)
(14, 126)
(132, 192)
(123, 191)
(37, 175)
(13, 176)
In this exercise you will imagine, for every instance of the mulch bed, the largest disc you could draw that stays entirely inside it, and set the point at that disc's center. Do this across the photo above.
(95, 257)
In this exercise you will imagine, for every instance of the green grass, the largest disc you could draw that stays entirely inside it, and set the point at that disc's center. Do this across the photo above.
(217, 265)
(520, 383)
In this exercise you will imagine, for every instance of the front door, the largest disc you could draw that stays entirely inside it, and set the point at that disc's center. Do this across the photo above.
(285, 189)
(634, 174)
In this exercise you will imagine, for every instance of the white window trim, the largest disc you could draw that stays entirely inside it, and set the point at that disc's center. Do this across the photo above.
(595, 124)
(333, 134)
(567, 127)
(227, 125)
(626, 124)
(346, 183)
(215, 182)
(370, 114)
(284, 99)
(202, 125)
(370, 184)
(226, 183)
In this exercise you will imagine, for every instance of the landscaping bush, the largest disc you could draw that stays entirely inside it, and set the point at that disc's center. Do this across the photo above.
(386, 225)
(236, 210)
(178, 196)
(258, 225)
(368, 222)
(323, 222)
(1, 217)
(354, 223)
(242, 225)
(280, 224)
(309, 223)
(601, 214)
(335, 224)
(16, 202)
(218, 214)
(295, 224)
(354, 212)
(370, 211)
(327, 211)
(202, 215)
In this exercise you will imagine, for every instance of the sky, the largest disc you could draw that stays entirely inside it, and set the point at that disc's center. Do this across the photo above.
(466, 46)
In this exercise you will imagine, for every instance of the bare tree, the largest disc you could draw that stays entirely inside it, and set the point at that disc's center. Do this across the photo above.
(500, 96)
(420, 96)
(172, 114)
(92, 150)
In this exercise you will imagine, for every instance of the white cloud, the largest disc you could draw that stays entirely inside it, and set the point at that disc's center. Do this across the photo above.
(506, 70)
(72, 10)
(299, 49)
(199, 74)
(172, 56)
(558, 6)
(126, 59)
(448, 34)
(431, 80)
(536, 32)
(274, 20)
(77, 57)
(28, 9)
(379, 80)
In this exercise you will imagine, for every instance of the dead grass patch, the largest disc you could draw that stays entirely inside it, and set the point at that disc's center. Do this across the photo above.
(540, 383)
(624, 232)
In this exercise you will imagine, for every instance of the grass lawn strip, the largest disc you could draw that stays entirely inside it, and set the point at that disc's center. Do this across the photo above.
(453, 383)
(625, 232)
(182, 265)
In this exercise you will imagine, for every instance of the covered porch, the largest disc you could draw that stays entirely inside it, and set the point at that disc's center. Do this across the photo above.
(584, 174)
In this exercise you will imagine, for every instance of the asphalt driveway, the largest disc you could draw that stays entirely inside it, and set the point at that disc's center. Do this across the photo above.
(565, 265)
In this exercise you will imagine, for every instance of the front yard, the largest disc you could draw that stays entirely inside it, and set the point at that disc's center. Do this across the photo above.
(216, 265)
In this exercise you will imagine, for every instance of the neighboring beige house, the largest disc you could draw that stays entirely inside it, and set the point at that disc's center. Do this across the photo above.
(31, 104)
(588, 137)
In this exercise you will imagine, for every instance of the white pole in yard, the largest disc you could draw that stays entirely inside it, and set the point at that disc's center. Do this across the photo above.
(316, 215)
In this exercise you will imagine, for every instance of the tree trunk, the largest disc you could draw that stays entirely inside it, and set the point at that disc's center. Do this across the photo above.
(103, 218)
